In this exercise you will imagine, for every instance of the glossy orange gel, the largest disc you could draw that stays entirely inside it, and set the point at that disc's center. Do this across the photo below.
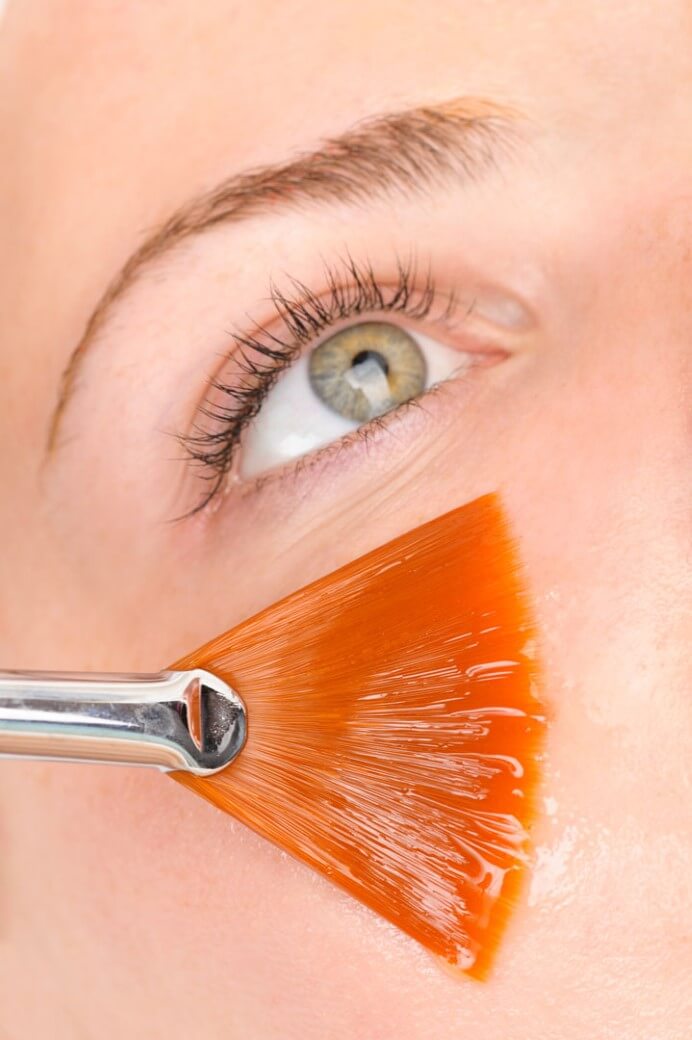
(395, 731)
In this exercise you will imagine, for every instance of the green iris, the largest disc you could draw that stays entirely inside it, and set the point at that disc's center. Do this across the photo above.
(367, 370)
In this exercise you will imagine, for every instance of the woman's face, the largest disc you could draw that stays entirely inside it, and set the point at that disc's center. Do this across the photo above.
(557, 209)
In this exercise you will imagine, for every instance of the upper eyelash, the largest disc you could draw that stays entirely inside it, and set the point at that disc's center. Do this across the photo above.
(351, 288)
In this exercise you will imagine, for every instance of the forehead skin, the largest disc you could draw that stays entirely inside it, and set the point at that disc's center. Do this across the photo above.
(129, 900)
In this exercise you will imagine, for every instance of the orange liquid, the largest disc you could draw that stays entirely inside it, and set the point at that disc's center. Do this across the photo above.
(394, 729)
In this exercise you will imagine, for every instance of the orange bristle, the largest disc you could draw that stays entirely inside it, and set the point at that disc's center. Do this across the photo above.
(394, 729)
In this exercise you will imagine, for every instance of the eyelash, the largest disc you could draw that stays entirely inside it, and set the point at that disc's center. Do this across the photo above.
(352, 289)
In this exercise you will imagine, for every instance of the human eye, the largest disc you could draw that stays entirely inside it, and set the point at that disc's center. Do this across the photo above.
(331, 366)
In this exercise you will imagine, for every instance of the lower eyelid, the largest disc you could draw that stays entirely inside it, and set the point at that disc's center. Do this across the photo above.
(278, 436)
(274, 442)
(410, 419)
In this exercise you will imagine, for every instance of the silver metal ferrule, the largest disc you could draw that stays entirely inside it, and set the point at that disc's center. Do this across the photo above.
(190, 721)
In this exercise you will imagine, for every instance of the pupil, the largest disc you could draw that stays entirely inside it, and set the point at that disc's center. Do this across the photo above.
(371, 355)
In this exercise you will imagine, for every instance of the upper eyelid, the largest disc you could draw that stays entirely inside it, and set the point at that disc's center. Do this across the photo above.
(404, 291)
(347, 301)
(365, 291)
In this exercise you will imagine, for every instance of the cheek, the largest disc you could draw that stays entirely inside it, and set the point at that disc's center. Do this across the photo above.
(600, 493)
(188, 916)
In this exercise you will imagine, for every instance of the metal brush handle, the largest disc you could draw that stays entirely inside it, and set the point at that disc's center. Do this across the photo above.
(190, 721)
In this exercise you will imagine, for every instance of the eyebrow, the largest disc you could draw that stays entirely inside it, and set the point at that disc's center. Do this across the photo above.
(405, 152)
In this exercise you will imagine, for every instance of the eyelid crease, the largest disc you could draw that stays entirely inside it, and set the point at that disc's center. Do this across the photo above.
(352, 289)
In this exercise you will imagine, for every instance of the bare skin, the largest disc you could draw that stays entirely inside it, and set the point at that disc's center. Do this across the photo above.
(127, 906)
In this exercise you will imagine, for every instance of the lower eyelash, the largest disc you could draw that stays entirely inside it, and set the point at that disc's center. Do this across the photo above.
(262, 356)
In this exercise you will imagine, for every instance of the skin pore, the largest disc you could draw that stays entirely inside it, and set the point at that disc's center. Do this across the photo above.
(123, 899)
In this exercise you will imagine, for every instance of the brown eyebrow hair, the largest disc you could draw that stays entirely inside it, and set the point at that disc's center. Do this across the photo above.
(400, 151)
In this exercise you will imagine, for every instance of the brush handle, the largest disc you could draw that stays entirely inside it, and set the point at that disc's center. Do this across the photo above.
(190, 721)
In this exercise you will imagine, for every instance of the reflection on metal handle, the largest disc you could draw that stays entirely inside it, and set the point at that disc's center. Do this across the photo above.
(191, 721)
